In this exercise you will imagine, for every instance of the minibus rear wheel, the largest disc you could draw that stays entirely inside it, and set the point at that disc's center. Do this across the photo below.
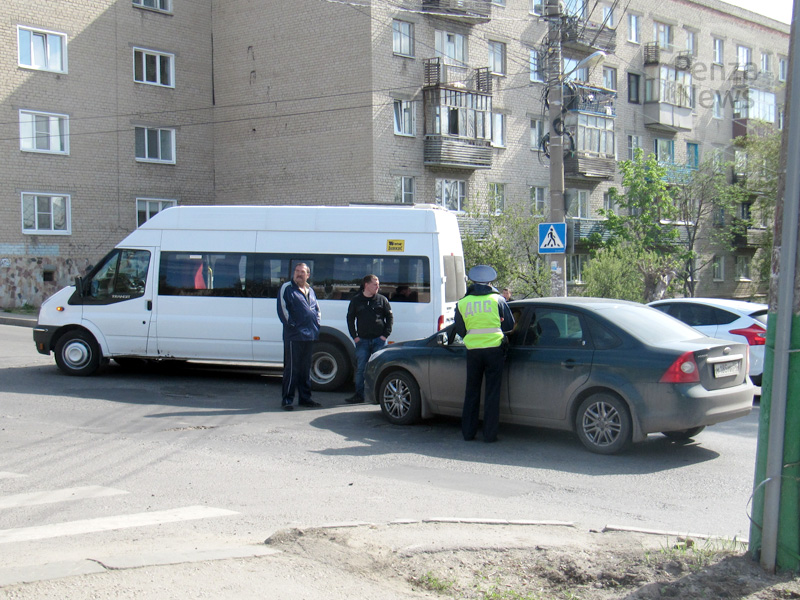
(77, 353)
(330, 368)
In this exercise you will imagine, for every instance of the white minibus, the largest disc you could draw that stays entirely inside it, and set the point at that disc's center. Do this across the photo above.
(199, 283)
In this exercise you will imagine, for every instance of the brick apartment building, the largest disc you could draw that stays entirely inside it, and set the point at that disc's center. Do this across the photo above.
(115, 109)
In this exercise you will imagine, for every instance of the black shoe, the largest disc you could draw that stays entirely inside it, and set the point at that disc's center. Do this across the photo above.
(355, 399)
(287, 407)
(310, 404)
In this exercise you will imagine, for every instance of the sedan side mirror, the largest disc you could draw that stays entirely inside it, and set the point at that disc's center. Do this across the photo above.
(441, 338)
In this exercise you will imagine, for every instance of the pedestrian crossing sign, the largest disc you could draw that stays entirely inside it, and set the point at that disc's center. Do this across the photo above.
(552, 238)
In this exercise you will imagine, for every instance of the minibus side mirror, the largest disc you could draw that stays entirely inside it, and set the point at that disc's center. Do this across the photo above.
(79, 286)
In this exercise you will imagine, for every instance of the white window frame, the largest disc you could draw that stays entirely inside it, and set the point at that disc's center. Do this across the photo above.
(145, 206)
(451, 194)
(537, 7)
(163, 5)
(538, 130)
(497, 197)
(579, 207)
(718, 268)
(402, 38)
(140, 56)
(783, 69)
(718, 45)
(169, 143)
(634, 142)
(610, 78)
(581, 74)
(743, 268)
(634, 25)
(34, 200)
(29, 138)
(405, 117)
(608, 17)
(405, 189)
(575, 266)
(691, 42)
(497, 58)
(452, 47)
(766, 62)
(536, 67)
(664, 149)
(744, 58)
(539, 200)
(596, 135)
(47, 61)
(662, 35)
(498, 130)
(716, 110)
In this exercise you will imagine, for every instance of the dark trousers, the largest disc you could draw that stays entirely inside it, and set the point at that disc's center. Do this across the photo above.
(482, 363)
(297, 370)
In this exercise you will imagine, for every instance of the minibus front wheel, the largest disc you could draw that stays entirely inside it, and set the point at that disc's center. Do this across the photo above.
(330, 368)
(77, 353)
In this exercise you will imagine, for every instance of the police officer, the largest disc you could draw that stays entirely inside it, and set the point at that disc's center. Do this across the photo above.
(482, 317)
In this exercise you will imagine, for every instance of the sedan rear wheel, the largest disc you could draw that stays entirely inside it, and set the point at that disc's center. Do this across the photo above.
(603, 423)
(685, 434)
(399, 398)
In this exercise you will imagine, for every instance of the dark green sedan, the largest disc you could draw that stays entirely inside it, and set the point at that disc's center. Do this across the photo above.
(609, 370)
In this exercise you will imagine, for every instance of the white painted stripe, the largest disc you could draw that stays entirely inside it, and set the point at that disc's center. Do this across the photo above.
(23, 534)
(51, 497)
(10, 475)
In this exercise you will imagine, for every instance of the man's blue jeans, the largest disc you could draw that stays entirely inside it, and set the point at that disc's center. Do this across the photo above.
(364, 349)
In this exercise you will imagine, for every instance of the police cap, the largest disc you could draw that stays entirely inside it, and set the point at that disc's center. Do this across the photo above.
(482, 274)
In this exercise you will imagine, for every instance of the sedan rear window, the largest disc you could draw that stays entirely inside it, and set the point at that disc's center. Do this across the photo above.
(648, 324)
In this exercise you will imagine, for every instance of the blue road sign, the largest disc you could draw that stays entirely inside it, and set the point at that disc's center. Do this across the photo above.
(552, 238)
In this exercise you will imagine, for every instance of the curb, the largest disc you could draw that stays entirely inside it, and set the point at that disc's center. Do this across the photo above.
(18, 320)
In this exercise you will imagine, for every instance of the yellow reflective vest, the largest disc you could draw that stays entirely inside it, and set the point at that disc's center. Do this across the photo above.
(481, 316)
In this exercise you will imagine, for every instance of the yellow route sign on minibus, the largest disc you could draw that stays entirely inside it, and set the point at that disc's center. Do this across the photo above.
(395, 245)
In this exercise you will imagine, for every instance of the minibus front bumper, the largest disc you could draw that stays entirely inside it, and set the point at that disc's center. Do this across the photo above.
(42, 335)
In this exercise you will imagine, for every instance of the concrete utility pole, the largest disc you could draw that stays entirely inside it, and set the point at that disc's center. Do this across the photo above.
(555, 89)
(775, 529)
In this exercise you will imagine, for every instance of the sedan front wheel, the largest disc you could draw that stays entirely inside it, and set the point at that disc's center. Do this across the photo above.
(603, 423)
(399, 398)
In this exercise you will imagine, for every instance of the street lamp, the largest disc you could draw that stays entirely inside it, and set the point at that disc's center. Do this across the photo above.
(555, 78)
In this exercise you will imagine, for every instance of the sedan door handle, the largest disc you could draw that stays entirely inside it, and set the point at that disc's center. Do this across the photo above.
(569, 363)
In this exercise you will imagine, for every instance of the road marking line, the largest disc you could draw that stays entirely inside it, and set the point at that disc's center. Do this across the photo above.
(189, 513)
(51, 497)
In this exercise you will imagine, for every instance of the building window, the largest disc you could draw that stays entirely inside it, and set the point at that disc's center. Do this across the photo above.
(671, 86)
(575, 8)
(461, 114)
(539, 200)
(766, 62)
(451, 194)
(634, 142)
(634, 88)
(692, 155)
(756, 105)
(537, 133)
(783, 69)
(691, 42)
(404, 117)
(537, 7)
(633, 28)
(157, 4)
(610, 78)
(403, 38)
(44, 50)
(156, 68)
(147, 208)
(781, 118)
(43, 132)
(575, 267)
(664, 150)
(717, 108)
(608, 203)
(718, 268)
(497, 58)
(537, 70)
(452, 47)
(662, 35)
(404, 188)
(608, 16)
(577, 202)
(719, 51)
(596, 135)
(743, 268)
(155, 145)
(744, 58)
(499, 2)
(45, 214)
(497, 198)
(581, 74)
(498, 130)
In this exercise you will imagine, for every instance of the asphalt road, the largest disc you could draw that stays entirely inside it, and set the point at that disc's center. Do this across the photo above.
(173, 462)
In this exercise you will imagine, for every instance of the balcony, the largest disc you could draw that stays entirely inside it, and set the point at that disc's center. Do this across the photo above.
(746, 236)
(583, 166)
(678, 174)
(590, 123)
(458, 107)
(746, 76)
(466, 11)
(585, 36)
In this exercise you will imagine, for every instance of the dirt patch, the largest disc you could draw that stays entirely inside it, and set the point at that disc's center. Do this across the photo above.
(508, 562)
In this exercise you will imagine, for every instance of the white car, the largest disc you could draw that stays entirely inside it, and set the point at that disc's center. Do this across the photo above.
(735, 320)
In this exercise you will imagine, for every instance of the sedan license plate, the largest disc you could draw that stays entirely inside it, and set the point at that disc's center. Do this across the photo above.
(726, 369)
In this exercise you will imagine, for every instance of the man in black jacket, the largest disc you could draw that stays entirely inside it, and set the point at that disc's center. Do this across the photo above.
(369, 320)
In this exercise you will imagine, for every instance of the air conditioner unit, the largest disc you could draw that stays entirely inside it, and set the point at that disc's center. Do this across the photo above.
(683, 62)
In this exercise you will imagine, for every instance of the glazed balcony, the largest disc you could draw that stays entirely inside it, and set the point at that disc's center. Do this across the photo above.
(586, 36)
(591, 125)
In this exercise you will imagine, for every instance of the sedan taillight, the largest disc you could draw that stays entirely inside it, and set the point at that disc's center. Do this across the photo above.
(683, 370)
(755, 334)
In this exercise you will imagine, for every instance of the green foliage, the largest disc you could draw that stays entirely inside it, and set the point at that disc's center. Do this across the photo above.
(430, 581)
(509, 242)
(624, 272)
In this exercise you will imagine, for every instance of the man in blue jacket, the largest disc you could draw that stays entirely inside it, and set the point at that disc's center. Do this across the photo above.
(299, 312)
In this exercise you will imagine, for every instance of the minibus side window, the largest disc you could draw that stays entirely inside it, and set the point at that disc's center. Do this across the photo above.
(220, 274)
(121, 276)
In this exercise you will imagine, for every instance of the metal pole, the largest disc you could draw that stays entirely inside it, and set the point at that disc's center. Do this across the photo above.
(555, 75)
(784, 318)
